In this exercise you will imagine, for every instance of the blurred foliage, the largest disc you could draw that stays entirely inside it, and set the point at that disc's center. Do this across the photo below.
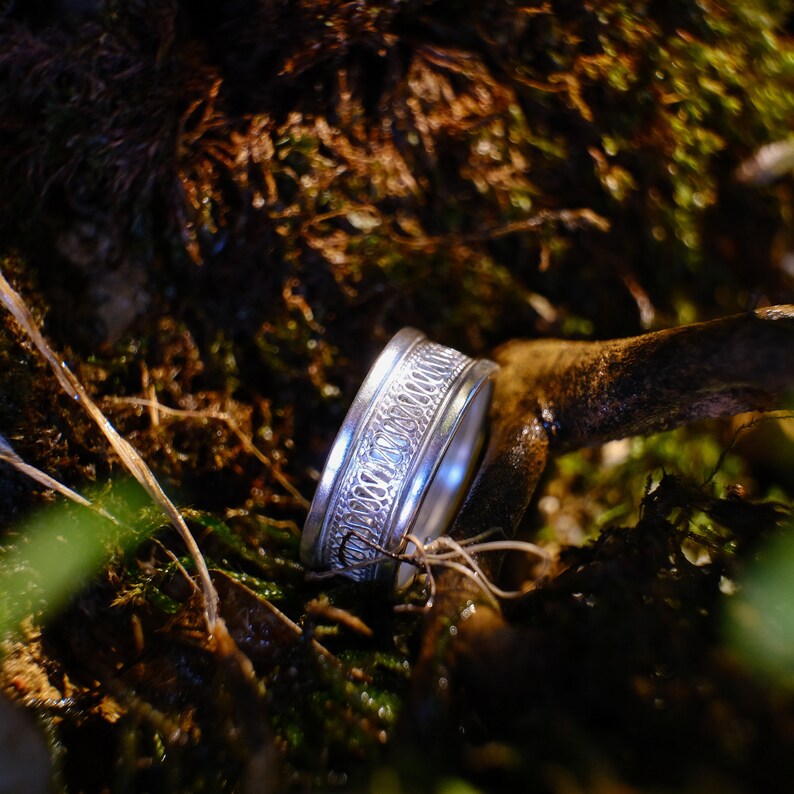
(51, 556)
(225, 209)
(759, 619)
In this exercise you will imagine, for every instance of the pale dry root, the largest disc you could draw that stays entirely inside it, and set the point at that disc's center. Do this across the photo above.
(553, 396)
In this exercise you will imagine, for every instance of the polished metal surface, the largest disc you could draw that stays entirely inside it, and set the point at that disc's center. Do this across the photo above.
(401, 461)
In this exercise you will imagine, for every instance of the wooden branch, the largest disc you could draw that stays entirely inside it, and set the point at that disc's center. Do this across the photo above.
(587, 393)
(554, 396)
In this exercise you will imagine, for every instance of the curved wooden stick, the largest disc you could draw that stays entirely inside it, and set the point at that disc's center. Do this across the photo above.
(587, 393)
(554, 396)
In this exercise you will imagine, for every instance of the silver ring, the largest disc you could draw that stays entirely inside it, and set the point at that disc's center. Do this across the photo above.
(401, 461)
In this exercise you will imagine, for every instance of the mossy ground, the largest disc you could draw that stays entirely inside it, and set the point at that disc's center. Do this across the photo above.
(228, 208)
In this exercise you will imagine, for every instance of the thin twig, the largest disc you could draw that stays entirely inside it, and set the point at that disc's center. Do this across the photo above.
(743, 428)
(220, 416)
(129, 456)
(9, 456)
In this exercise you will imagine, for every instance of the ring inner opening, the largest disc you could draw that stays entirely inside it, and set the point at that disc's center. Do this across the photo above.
(445, 492)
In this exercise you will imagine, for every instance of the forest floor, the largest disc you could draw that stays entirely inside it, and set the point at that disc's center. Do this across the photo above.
(219, 214)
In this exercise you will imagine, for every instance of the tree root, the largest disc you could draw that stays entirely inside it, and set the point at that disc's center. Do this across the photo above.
(553, 396)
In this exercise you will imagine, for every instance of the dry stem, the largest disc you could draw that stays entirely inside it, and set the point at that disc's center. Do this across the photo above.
(129, 456)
